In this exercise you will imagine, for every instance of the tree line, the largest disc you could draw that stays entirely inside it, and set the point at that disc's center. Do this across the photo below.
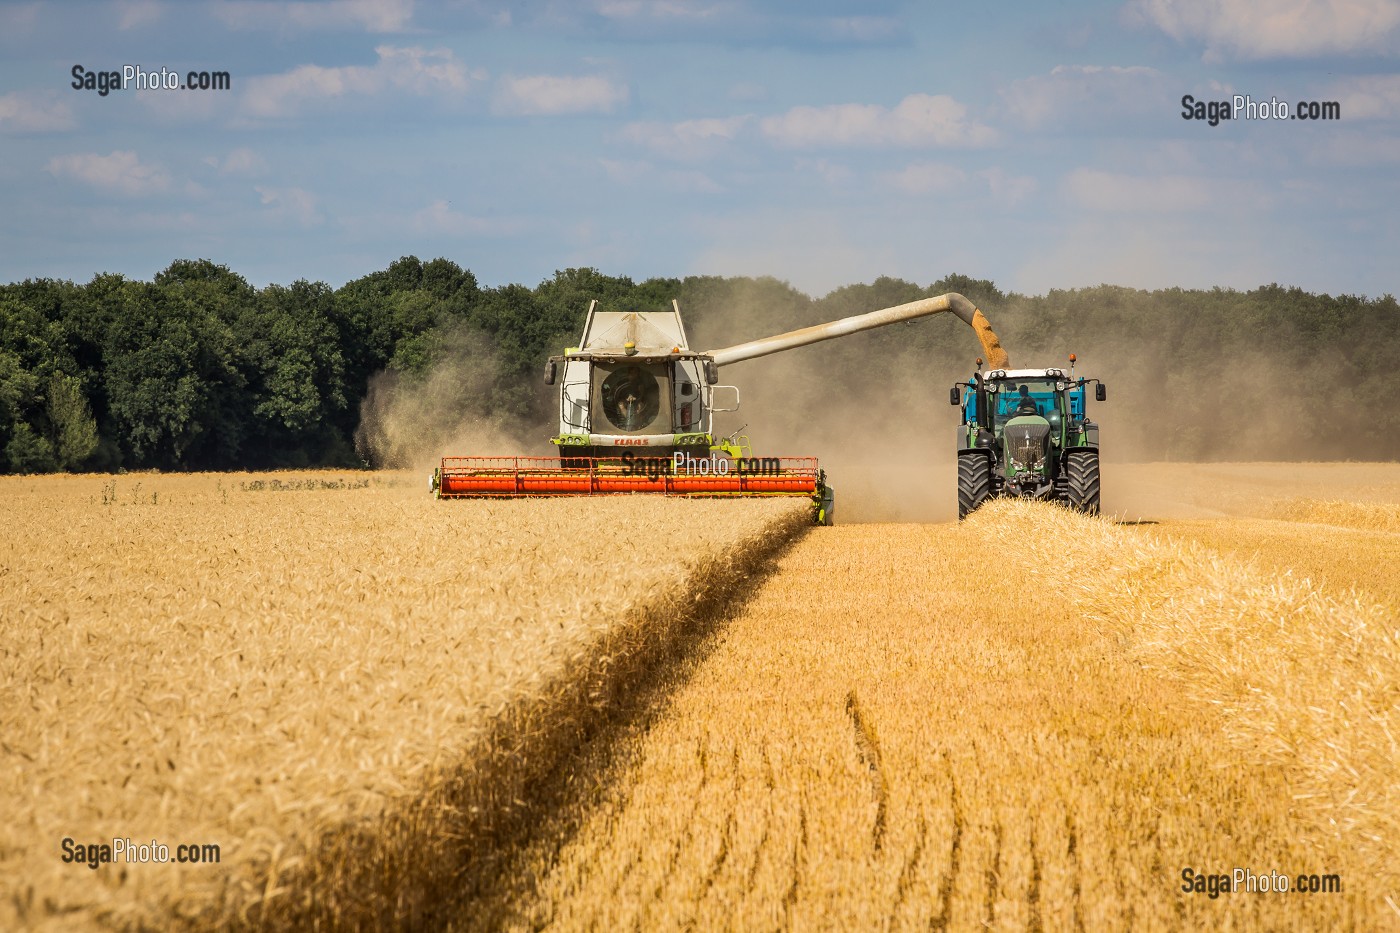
(198, 369)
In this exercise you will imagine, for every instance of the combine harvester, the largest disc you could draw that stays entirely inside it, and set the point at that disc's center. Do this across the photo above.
(636, 409)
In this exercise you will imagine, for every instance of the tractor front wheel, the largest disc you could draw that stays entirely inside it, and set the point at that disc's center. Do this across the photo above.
(1082, 480)
(974, 480)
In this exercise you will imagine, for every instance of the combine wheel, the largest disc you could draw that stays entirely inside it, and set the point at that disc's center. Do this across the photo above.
(1082, 481)
(974, 480)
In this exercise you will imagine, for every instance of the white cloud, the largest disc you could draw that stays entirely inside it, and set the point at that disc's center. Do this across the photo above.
(19, 19)
(940, 178)
(1111, 192)
(1368, 97)
(1090, 92)
(662, 9)
(119, 172)
(295, 204)
(1355, 150)
(918, 120)
(1277, 28)
(743, 21)
(689, 139)
(748, 91)
(241, 161)
(34, 112)
(832, 174)
(928, 178)
(1007, 189)
(860, 29)
(134, 13)
(380, 16)
(635, 173)
(441, 219)
(556, 94)
(424, 72)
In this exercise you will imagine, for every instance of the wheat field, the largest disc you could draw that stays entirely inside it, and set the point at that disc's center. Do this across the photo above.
(392, 712)
(336, 679)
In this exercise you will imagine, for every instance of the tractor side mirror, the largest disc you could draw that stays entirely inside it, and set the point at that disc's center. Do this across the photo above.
(551, 370)
(711, 372)
(1100, 393)
(954, 396)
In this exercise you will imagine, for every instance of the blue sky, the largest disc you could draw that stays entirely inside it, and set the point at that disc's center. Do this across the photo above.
(825, 143)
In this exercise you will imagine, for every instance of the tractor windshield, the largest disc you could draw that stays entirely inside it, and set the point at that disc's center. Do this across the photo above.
(1017, 397)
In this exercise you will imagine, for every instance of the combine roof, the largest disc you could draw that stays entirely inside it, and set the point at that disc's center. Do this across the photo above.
(650, 332)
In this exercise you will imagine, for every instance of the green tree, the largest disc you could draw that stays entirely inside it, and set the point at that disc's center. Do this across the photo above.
(75, 436)
(291, 356)
(172, 379)
(27, 452)
(31, 350)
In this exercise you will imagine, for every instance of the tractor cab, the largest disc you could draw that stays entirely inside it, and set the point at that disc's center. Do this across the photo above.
(1001, 397)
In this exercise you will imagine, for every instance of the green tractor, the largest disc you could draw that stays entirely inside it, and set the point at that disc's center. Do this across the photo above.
(1026, 433)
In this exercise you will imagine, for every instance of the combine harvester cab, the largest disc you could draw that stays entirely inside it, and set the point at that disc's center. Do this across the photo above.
(636, 413)
(634, 386)
(1027, 433)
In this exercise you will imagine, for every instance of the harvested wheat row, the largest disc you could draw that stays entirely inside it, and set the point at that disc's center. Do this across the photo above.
(1346, 563)
(1367, 516)
(1307, 679)
(1204, 490)
(343, 688)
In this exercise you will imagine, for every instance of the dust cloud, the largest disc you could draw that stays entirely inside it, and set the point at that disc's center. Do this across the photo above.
(865, 408)
(464, 403)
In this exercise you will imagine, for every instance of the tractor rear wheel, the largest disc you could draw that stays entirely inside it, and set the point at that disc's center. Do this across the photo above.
(1082, 480)
(974, 480)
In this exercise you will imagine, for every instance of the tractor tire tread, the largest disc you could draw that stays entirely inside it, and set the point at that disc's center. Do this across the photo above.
(1082, 486)
(974, 481)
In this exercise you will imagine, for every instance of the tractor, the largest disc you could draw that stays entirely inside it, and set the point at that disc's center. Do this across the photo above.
(1026, 433)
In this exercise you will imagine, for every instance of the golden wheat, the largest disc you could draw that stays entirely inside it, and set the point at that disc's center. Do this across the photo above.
(1345, 562)
(333, 678)
(1367, 516)
(1030, 721)
(1259, 490)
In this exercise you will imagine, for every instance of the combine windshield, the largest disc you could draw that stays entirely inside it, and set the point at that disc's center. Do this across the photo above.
(629, 396)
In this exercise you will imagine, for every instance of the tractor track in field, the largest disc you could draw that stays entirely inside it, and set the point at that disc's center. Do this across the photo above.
(868, 747)
(1072, 851)
(941, 920)
(1036, 924)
